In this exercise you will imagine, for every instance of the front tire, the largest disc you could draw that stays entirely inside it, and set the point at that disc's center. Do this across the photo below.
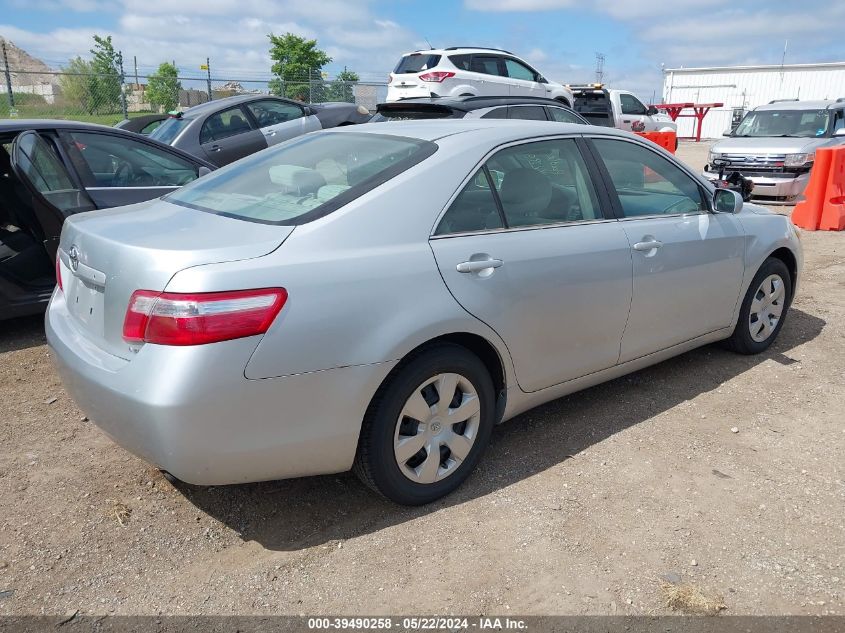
(763, 309)
(427, 427)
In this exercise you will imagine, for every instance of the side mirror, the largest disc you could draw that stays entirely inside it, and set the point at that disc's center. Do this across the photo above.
(727, 132)
(541, 80)
(652, 111)
(839, 132)
(203, 171)
(727, 201)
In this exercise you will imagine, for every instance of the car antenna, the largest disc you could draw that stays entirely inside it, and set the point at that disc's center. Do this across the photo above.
(430, 47)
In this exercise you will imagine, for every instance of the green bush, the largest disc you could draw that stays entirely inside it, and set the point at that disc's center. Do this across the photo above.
(23, 102)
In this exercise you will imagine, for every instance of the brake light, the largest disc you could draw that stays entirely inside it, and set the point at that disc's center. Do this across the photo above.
(59, 273)
(170, 318)
(437, 76)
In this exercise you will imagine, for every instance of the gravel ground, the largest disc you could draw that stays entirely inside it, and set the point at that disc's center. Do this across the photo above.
(716, 472)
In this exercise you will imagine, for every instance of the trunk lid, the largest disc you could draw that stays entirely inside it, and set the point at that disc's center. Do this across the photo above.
(107, 255)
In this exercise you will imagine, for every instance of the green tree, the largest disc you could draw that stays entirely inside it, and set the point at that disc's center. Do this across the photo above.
(341, 89)
(78, 85)
(296, 63)
(105, 64)
(163, 88)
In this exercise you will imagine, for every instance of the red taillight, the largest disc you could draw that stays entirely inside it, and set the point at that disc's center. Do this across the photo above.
(436, 76)
(171, 318)
(59, 273)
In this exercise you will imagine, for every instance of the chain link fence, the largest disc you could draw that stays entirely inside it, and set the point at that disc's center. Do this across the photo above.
(108, 99)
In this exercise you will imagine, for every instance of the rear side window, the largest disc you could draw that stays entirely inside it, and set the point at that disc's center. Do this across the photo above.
(498, 113)
(485, 64)
(303, 179)
(461, 61)
(223, 125)
(539, 183)
(416, 63)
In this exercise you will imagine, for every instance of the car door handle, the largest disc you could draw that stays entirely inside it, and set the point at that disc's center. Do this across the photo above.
(648, 245)
(475, 266)
(270, 133)
(215, 148)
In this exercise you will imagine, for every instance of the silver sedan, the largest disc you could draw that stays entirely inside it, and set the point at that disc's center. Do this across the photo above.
(378, 298)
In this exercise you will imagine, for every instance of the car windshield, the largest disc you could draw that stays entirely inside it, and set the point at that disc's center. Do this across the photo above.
(303, 179)
(799, 123)
(169, 129)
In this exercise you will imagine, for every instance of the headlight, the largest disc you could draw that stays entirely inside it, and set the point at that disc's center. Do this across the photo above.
(797, 160)
(711, 156)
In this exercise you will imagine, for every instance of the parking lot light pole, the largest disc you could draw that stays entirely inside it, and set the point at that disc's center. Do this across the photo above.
(208, 76)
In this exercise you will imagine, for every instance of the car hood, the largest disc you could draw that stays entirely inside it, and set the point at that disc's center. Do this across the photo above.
(766, 145)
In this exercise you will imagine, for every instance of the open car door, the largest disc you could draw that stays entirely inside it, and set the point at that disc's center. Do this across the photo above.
(55, 194)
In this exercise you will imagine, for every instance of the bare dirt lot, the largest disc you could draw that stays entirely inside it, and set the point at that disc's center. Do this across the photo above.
(593, 504)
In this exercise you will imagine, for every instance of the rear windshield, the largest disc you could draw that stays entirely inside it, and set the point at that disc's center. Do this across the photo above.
(169, 129)
(416, 63)
(591, 102)
(303, 179)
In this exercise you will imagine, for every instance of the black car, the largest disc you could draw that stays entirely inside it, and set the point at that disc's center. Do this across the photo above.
(52, 169)
(143, 124)
(225, 130)
(526, 108)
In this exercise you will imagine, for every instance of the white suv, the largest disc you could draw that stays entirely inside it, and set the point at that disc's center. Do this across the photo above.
(463, 71)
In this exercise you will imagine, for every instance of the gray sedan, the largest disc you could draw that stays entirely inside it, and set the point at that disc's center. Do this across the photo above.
(224, 130)
(378, 298)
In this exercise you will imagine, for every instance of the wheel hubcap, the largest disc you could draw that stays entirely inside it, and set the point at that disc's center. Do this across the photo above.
(437, 428)
(766, 308)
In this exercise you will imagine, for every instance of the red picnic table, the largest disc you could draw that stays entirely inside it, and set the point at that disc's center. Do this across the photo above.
(700, 110)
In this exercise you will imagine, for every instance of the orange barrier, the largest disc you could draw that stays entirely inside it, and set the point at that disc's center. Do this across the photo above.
(823, 206)
(833, 209)
(666, 140)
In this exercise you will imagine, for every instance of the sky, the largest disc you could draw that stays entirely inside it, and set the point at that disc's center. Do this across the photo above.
(559, 37)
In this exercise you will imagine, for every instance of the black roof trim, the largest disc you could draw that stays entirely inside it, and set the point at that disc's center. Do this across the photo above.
(470, 103)
(480, 48)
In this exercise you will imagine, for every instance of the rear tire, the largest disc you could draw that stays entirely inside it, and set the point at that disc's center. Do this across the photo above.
(763, 309)
(427, 426)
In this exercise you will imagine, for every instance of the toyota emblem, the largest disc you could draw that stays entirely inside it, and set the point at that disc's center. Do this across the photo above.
(73, 255)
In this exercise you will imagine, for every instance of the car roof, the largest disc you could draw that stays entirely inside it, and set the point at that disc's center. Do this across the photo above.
(497, 130)
(469, 103)
(227, 102)
(18, 125)
(457, 50)
(819, 104)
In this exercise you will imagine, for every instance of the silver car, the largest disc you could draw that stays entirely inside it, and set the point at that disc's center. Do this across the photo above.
(378, 298)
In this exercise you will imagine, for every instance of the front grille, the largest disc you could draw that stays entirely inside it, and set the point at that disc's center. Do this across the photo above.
(758, 162)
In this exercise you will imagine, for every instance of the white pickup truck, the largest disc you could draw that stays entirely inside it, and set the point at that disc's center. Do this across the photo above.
(619, 109)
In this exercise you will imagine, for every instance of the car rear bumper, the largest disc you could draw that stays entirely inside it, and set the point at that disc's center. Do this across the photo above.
(395, 93)
(191, 411)
(784, 188)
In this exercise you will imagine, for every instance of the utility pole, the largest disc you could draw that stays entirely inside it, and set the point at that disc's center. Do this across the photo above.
(208, 76)
(123, 106)
(8, 78)
(137, 83)
(599, 68)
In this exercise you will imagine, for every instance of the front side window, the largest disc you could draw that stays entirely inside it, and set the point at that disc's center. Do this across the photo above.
(303, 179)
(562, 115)
(540, 183)
(519, 71)
(116, 161)
(271, 112)
(528, 113)
(223, 125)
(631, 105)
(647, 183)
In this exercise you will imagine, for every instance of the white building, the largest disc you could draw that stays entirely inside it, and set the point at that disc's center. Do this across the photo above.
(747, 87)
